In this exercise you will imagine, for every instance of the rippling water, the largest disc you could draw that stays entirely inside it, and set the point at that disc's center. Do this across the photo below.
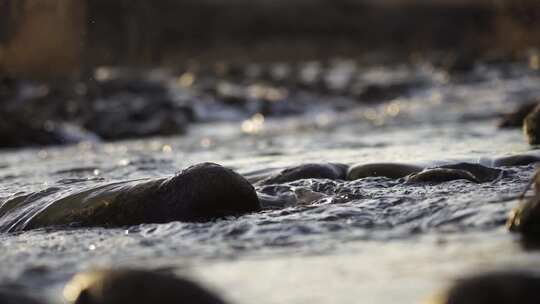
(373, 240)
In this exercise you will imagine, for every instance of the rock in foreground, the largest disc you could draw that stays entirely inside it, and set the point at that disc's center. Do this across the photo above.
(493, 288)
(134, 287)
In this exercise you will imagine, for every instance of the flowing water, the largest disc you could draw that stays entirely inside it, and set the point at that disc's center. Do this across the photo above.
(373, 240)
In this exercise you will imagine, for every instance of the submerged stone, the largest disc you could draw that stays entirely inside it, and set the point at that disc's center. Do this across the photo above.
(531, 126)
(323, 171)
(390, 170)
(202, 192)
(482, 173)
(472, 172)
(493, 288)
(135, 287)
(441, 175)
(516, 160)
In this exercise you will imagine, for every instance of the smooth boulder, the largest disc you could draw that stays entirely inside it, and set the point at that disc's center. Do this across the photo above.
(199, 193)
(135, 287)
(482, 173)
(472, 172)
(441, 175)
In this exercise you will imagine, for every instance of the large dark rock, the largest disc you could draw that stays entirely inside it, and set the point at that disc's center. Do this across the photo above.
(323, 171)
(135, 287)
(494, 288)
(199, 193)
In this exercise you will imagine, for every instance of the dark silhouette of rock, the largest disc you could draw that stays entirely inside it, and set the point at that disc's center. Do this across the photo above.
(515, 119)
(203, 192)
(390, 170)
(135, 287)
(494, 288)
(322, 171)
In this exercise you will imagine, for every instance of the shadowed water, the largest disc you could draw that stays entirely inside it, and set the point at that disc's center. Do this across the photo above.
(375, 238)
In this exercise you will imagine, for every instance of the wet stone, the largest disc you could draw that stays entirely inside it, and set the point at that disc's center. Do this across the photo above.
(390, 170)
(516, 160)
(493, 288)
(331, 171)
(531, 126)
(472, 172)
(516, 118)
(525, 217)
(135, 287)
(441, 175)
(203, 192)
(482, 173)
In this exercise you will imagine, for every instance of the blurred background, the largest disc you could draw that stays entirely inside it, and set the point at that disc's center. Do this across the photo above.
(44, 38)
(84, 70)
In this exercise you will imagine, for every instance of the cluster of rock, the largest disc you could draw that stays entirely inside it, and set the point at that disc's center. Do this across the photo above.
(110, 109)
(208, 191)
(122, 103)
